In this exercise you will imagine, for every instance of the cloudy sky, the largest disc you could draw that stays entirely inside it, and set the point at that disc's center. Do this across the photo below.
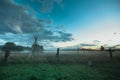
(60, 23)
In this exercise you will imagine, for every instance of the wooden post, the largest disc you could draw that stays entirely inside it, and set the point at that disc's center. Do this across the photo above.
(7, 53)
(57, 55)
(110, 53)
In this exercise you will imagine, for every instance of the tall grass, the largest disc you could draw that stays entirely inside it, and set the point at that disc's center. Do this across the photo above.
(65, 57)
(72, 66)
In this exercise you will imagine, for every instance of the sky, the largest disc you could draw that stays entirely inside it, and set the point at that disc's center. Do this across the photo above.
(60, 23)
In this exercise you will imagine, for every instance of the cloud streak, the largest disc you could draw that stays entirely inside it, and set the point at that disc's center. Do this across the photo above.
(83, 44)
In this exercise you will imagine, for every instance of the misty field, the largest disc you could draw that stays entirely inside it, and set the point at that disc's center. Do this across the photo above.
(72, 65)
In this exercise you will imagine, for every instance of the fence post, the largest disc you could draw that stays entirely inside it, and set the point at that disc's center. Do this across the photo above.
(57, 55)
(110, 53)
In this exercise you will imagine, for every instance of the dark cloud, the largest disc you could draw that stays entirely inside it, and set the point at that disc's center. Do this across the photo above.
(65, 36)
(49, 35)
(14, 19)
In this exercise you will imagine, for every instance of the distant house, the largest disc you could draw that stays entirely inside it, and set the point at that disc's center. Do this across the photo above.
(36, 48)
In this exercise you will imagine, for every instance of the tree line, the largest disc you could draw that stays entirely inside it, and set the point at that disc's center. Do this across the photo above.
(11, 46)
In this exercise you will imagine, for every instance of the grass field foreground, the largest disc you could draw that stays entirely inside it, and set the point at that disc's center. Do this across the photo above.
(71, 67)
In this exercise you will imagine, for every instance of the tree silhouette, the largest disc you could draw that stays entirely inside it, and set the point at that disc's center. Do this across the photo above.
(9, 46)
(102, 48)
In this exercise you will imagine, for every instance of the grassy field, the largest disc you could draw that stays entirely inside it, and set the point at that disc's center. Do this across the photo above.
(71, 67)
